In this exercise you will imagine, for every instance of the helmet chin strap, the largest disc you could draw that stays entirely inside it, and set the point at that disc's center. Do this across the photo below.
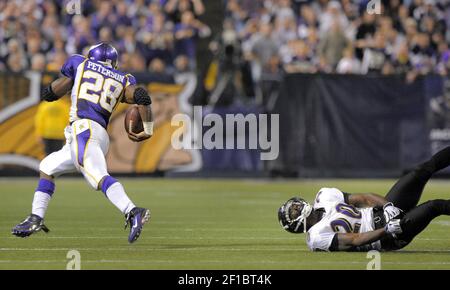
(304, 226)
(306, 211)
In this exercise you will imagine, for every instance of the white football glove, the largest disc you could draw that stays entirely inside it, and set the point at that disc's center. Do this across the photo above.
(393, 227)
(391, 212)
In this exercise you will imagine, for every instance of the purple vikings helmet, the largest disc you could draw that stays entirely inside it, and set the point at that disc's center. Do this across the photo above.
(104, 53)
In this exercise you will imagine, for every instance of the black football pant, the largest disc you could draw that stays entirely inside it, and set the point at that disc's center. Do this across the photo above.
(406, 193)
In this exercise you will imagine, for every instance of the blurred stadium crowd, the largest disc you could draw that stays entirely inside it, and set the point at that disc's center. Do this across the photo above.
(250, 44)
(259, 39)
(271, 35)
(340, 36)
(292, 35)
(150, 35)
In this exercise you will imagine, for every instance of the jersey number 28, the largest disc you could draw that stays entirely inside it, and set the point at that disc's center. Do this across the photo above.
(103, 91)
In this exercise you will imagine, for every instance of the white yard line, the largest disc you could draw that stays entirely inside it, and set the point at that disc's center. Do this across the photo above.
(147, 249)
(221, 262)
(161, 238)
(217, 229)
(121, 237)
(187, 249)
(442, 223)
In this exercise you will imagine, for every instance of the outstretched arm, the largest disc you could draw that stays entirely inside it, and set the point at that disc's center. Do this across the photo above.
(390, 211)
(366, 200)
(57, 89)
(139, 96)
(348, 241)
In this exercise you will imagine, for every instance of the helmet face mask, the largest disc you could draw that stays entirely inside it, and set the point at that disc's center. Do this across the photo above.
(293, 213)
(105, 54)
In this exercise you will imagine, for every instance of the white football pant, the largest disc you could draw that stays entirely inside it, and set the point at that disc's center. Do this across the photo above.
(86, 146)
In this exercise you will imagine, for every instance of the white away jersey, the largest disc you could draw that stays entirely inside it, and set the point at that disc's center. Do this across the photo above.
(338, 217)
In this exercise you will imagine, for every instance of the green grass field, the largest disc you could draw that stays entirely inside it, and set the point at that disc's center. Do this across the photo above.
(196, 224)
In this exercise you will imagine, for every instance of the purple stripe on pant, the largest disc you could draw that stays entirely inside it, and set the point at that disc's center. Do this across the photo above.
(82, 140)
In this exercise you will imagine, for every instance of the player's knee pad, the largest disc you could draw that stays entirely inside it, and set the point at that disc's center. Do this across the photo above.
(92, 182)
(46, 166)
(107, 182)
(92, 178)
(94, 169)
(42, 166)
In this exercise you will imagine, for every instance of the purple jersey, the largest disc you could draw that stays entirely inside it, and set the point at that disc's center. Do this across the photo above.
(97, 88)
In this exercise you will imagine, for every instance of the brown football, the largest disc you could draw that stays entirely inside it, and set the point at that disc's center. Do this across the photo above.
(133, 120)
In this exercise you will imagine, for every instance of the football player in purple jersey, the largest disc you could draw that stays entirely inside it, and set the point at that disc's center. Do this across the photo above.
(97, 87)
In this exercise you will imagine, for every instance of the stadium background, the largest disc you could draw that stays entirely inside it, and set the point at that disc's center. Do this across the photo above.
(250, 59)
(358, 95)
(245, 57)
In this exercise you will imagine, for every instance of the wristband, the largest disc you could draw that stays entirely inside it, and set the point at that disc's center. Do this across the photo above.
(148, 128)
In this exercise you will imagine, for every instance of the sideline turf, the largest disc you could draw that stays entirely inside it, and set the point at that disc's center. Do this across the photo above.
(196, 224)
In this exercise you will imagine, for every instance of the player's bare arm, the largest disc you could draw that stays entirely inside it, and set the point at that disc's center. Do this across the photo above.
(363, 200)
(139, 96)
(57, 89)
(351, 240)
(366, 200)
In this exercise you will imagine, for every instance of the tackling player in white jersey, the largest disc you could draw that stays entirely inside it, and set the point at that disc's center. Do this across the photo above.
(339, 221)
(96, 88)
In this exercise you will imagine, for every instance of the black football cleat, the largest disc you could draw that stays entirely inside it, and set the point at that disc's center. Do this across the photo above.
(32, 224)
(136, 218)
